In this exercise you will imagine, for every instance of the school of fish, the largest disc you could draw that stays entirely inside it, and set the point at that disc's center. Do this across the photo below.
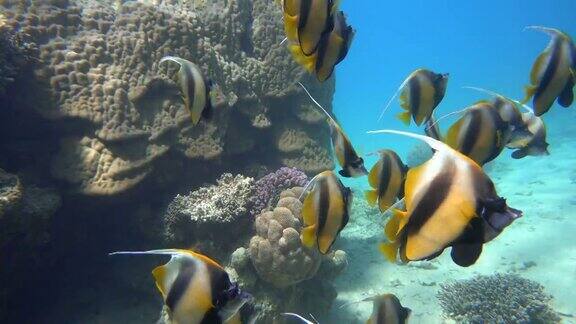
(448, 201)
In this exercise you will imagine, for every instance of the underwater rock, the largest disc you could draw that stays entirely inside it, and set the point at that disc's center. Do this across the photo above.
(15, 54)
(10, 192)
(98, 75)
(269, 188)
(213, 212)
(499, 298)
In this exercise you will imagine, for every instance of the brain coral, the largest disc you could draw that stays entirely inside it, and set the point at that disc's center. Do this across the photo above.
(98, 74)
(499, 298)
(276, 250)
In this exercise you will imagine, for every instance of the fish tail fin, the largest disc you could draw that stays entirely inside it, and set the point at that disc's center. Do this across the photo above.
(308, 236)
(371, 197)
(395, 224)
(530, 90)
(404, 117)
(389, 250)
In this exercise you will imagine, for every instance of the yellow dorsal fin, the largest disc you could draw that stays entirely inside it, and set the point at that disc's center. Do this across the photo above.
(371, 197)
(404, 117)
(389, 250)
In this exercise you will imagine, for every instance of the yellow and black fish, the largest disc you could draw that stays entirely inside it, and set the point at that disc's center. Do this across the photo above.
(387, 309)
(352, 165)
(421, 93)
(387, 178)
(433, 129)
(325, 211)
(305, 21)
(553, 73)
(534, 143)
(195, 288)
(450, 202)
(333, 47)
(195, 89)
(480, 134)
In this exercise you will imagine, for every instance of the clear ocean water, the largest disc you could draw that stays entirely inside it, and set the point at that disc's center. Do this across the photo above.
(55, 266)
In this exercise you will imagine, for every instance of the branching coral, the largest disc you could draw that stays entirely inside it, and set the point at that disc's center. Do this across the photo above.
(271, 185)
(210, 210)
(499, 298)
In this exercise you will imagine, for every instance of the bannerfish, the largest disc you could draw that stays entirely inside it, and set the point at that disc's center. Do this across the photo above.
(195, 288)
(450, 202)
(535, 143)
(333, 47)
(352, 165)
(387, 309)
(421, 92)
(553, 73)
(325, 211)
(479, 134)
(387, 178)
(305, 21)
(194, 88)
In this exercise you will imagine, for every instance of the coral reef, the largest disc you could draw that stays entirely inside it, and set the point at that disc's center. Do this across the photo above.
(210, 212)
(15, 53)
(499, 298)
(98, 74)
(269, 187)
(283, 274)
(10, 192)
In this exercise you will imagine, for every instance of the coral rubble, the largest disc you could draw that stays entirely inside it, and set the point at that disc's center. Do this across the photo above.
(499, 298)
(269, 187)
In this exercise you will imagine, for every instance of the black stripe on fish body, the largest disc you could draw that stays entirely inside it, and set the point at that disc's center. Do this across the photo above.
(466, 255)
(212, 317)
(220, 285)
(500, 138)
(469, 136)
(385, 176)
(347, 33)
(436, 193)
(549, 72)
(188, 269)
(414, 100)
(190, 91)
(323, 46)
(207, 112)
(347, 194)
(305, 6)
(305, 12)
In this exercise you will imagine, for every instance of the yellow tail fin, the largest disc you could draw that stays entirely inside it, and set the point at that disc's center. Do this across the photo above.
(308, 236)
(530, 91)
(371, 197)
(395, 224)
(389, 250)
(404, 117)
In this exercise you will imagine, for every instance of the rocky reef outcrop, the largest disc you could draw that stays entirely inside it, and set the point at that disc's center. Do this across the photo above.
(98, 70)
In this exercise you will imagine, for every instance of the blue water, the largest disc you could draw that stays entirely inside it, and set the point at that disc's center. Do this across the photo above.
(480, 43)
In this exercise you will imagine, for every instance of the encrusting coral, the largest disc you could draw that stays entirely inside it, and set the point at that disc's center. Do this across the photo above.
(98, 72)
(268, 188)
(499, 298)
(219, 210)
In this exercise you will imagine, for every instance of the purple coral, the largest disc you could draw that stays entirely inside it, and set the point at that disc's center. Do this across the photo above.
(270, 186)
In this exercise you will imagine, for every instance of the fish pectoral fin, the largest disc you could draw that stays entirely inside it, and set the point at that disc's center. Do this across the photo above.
(371, 197)
(159, 274)
(465, 255)
(404, 117)
(308, 210)
(308, 236)
(389, 250)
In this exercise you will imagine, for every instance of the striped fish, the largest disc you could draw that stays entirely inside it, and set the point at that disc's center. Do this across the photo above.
(333, 47)
(534, 143)
(480, 133)
(387, 309)
(325, 211)
(553, 73)
(195, 288)
(387, 178)
(450, 201)
(352, 165)
(422, 92)
(433, 129)
(195, 89)
(305, 21)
